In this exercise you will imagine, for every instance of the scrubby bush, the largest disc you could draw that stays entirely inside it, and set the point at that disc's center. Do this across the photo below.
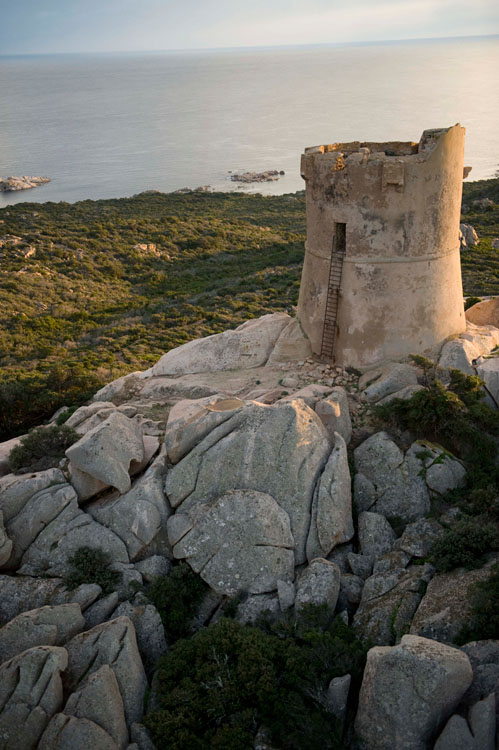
(454, 416)
(483, 501)
(91, 565)
(217, 688)
(484, 601)
(42, 448)
(65, 414)
(91, 308)
(457, 417)
(177, 597)
(471, 301)
(465, 544)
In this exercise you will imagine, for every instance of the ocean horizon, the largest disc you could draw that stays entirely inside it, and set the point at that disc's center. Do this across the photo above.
(109, 125)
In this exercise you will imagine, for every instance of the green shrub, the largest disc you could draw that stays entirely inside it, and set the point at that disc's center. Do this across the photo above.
(465, 544)
(483, 501)
(455, 417)
(471, 301)
(484, 600)
(217, 688)
(66, 413)
(42, 448)
(177, 597)
(90, 565)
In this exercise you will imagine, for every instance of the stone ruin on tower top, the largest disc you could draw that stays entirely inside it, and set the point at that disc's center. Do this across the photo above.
(382, 273)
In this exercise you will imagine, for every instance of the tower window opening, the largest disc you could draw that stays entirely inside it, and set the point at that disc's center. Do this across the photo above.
(340, 237)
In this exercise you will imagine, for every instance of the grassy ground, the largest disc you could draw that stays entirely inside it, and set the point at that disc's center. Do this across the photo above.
(86, 306)
(480, 264)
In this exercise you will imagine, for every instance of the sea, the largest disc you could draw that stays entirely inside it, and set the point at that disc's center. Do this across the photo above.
(113, 125)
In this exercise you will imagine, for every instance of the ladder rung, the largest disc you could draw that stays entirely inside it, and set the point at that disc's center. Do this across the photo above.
(331, 312)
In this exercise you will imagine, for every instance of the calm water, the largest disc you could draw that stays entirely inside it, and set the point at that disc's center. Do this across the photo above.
(111, 126)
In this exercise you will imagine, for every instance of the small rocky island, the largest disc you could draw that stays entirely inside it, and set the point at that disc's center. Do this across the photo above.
(271, 175)
(12, 184)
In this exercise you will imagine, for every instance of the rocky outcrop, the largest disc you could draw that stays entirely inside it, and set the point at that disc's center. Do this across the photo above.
(93, 717)
(487, 369)
(337, 696)
(191, 420)
(240, 541)
(5, 543)
(445, 607)
(149, 631)
(334, 414)
(46, 626)
(400, 485)
(24, 593)
(70, 733)
(112, 643)
(271, 175)
(408, 692)
(292, 345)
(139, 516)
(318, 584)
(331, 520)
(462, 352)
(469, 235)
(484, 658)
(484, 313)
(418, 537)
(252, 488)
(279, 450)
(249, 345)
(30, 694)
(388, 603)
(389, 482)
(106, 452)
(385, 381)
(49, 553)
(5, 449)
(376, 536)
(13, 184)
(476, 733)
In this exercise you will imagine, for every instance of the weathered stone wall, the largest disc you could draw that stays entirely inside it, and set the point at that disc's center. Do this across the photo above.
(401, 289)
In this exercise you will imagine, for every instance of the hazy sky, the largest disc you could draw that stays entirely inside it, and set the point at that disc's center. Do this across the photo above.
(45, 26)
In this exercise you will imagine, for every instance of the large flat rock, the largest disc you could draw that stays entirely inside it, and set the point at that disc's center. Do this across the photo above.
(249, 345)
(240, 541)
(278, 450)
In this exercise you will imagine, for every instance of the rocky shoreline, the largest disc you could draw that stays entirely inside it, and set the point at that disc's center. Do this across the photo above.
(24, 182)
(271, 175)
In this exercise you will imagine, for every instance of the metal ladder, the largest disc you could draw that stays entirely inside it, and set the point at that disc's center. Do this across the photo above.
(332, 301)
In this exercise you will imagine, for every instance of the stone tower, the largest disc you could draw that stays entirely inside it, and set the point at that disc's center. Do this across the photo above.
(382, 274)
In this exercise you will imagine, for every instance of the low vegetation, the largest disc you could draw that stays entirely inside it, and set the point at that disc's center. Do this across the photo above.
(465, 544)
(91, 291)
(456, 416)
(42, 448)
(484, 601)
(177, 598)
(96, 289)
(480, 264)
(91, 565)
(218, 688)
(453, 415)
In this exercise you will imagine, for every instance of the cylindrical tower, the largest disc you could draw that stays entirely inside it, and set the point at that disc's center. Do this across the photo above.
(382, 273)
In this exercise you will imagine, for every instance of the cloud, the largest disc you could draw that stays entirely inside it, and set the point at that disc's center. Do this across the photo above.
(359, 20)
(110, 25)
